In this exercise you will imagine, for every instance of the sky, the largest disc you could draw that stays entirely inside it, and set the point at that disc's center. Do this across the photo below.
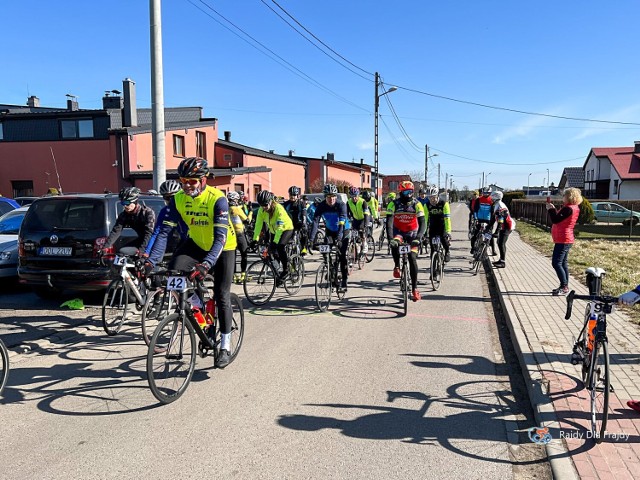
(461, 68)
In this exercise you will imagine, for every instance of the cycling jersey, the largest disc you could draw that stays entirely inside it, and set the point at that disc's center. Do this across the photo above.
(405, 215)
(502, 217)
(482, 209)
(359, 209)
(438, 216)
(277, 222)
(162, 218)
(142, 220)
(373, 208)
(335, 218)
(297, 212)
(237, 217)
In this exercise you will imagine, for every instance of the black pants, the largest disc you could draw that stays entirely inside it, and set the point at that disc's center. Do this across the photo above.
(280, 248)
(243, 248)
(330, 238)
(413, 257)
(303, 234)
(189, 254)
(435, 232)
(503, 236)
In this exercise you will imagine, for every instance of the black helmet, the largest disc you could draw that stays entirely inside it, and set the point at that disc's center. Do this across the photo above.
(294, 190)
(193, 167)
(169, 188)
(330, 189)
(129, 194)
(366, 195)
(265, 197)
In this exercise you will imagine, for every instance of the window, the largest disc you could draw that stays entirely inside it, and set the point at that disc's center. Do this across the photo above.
(201, 144)
(227, 159)
(22, 188)
(238, 187)
(178, 146)
(1, 132)
(256, 190)
(76, 128)
(615, 186)
(393, 186)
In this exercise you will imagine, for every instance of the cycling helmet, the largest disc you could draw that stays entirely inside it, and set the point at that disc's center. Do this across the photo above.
(193, 167)
(129, 194)
(265, 197)
(391, 196)
(433, 191)
(486, 191)
(496, 196)
(294, 190)
(234, 198)
(330, 189)
(366, 195)
(422, 191)
(169, 188)
(404, 186)
(354, 191)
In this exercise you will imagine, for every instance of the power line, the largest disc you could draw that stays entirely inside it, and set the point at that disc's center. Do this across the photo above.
(503, 163)
(398, 144)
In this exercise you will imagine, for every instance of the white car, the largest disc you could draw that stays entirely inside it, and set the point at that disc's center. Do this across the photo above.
(9, 227)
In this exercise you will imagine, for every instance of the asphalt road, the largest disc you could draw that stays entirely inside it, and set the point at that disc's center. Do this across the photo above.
(356, 392)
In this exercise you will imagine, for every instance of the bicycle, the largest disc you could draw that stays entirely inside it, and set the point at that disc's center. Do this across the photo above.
(328, 277)
(591, 349)
(171, 358)
(480, 248)
(405, 281)
(261, 278)
(115, 304)
(437, 262)
(383, 236)
(160, 302)
(4, 365)
(472, 226)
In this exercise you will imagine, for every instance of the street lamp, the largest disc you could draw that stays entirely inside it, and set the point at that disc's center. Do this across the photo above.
(528, 179)
(375, 131)
(548, 179)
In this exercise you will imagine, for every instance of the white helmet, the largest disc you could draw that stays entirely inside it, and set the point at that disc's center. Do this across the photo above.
(432, 191)
(496, 196)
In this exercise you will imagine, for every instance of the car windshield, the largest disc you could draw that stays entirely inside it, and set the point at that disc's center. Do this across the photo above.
(65, 215)
(10, 223)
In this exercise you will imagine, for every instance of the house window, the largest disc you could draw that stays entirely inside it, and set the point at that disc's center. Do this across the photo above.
(227, 159)
(238, 187)
(76, 128)
(178, 146)
(1, 132)
(22, 188)
(201, 144)
(615, 186)
(256, 190)
(393, 186)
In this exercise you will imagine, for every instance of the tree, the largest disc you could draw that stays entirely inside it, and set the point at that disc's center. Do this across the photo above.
(318, 185)
(587, 214)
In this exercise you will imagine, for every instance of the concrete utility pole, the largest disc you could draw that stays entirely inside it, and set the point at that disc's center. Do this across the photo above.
(157, 95)
(438, 177)
(426, 164)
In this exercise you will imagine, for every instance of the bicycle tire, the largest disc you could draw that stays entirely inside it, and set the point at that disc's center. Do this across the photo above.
(115, 304)
(152, 313)
(404, 282)
(436, 270)
(323, 288)
(351, 256)
(237, 327)
(480, 258)
(293, 283)
(4, 366)
(383, 234)
(371, 245)
(167, 354)
(583, 338)
(599, 389)
(259, 283)
(360, 256)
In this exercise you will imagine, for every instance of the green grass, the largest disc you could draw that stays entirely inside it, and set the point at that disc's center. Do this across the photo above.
(620, 259)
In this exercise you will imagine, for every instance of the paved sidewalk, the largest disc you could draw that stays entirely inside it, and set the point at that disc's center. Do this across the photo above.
(543, 340)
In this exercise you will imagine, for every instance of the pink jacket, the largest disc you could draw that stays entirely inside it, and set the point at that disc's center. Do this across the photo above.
(563, 222)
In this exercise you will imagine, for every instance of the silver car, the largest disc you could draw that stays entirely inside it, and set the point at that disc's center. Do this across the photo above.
(9, 227)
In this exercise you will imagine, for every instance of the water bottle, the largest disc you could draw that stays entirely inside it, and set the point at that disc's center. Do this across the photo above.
(199, 317)
(210, 311)
(591, 330)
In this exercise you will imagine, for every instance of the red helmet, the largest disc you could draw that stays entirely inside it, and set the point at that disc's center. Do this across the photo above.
(406, 185)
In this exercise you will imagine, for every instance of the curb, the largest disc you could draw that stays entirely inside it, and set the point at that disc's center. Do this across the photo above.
(557, 454)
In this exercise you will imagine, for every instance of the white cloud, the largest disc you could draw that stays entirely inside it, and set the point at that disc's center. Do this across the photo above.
(522, 129)
(626, 114)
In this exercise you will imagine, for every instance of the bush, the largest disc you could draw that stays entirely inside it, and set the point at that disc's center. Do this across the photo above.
(509, 196)
(587, 216)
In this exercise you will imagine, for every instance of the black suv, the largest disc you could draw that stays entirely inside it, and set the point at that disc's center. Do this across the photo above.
(60, 238)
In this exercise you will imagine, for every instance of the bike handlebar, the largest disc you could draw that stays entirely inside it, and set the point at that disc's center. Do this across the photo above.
(605, 299)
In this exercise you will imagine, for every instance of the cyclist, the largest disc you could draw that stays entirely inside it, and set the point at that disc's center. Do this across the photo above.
(482, 213)
(297, 211)
(472, 205)
(359, 215)
(405, 224)
(238, 219)
(374, 207)
(246, 207)
(438, 219)
(423, 198)
(168, 189)
(337, 226)
(506, 224)
(139, 217)
(211, 242)
(279, 226)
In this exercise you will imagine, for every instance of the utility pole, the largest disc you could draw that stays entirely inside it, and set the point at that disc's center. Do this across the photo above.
(157, 95)
(426, 164)
(446, 180)
(438, 177)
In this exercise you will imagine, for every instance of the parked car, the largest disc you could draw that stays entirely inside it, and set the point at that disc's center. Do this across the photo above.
(25, 200)
(61, 236)
(7, 204)
(9, 227)
(312, 196)
(613, 213)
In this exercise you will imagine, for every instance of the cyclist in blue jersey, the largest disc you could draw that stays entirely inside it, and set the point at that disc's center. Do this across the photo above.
(337, 226)
(167, 189)
(482, 212)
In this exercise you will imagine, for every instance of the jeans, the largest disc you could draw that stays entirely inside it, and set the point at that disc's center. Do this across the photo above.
(559, 262)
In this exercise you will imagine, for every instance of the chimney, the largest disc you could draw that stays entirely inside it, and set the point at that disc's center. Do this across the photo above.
(227, 135)
(271, 151)
(33, 101)
(291, 153)
(72, 104)
(112, 102)
(362, 163)
(129, 111)
(636, 147)
(330, 157)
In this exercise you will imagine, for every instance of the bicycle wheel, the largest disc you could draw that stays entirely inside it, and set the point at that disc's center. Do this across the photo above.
(293, 283)
(114, 306)
(436, 270)
(479, 258)
(171, 359)
(599, 388)
(323, 288)
(237, 327)
(381, 238)
(159, 304)
(259, 284)
(360, 256)
(371, 246)
(352, 255)
(404, 287)
(4, 365)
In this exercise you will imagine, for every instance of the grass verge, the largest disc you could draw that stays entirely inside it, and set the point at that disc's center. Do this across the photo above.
(620, 259)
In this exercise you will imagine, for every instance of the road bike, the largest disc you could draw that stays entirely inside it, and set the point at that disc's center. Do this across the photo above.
(261, 278)
(328, 277)
(437, 262)
(128, 285)
(171, 359)
(4, 365)
(383, 236)
(472, 226)
(405, 281)
(591, 349)
(160, 303)
(480, 248)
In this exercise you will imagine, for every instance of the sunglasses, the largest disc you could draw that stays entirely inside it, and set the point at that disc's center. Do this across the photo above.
(330, 196)
(125, 203)
(192, 182)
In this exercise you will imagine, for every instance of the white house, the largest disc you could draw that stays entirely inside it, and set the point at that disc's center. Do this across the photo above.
(613, 173)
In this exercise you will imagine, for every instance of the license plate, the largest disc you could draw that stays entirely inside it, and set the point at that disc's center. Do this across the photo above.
(55, 251)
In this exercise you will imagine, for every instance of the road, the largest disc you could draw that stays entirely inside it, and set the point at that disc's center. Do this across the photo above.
(356, 392)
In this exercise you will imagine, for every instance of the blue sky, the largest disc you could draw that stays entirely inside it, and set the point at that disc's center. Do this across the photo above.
(570, 58)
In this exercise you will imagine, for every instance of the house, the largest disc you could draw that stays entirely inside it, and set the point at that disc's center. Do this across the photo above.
(390, 183)
(323, 170)
(572, 177)
(613, 173)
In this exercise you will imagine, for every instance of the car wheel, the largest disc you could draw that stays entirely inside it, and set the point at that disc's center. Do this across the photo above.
(48, 293)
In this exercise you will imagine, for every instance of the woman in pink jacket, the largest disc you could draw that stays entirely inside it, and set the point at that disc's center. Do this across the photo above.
(563, 220)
